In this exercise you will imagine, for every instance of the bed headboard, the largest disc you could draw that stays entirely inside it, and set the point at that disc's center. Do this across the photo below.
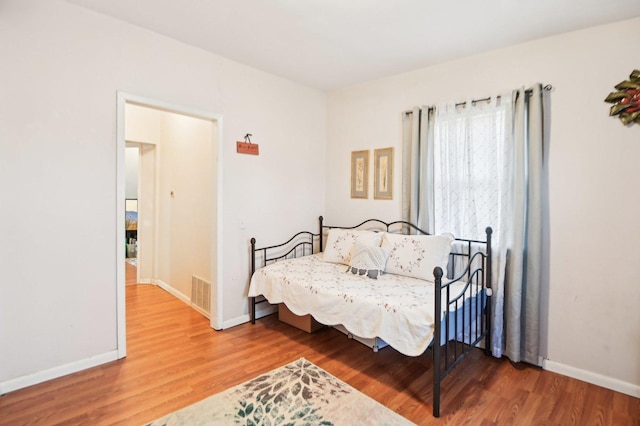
(397, 227)
(305, 243)
(301, 244)
(463, 249)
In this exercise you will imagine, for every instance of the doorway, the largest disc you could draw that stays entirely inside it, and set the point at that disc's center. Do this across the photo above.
(178, 201)
(132, 197)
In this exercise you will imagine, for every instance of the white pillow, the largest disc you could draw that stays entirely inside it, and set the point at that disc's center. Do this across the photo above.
(369, 260)
(416, 255)
(341, 241)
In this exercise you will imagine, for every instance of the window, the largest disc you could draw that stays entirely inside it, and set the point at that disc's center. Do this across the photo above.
(470, 147)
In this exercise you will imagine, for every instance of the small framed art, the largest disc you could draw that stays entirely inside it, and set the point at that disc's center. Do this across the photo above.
(360, 174)
(383, 174)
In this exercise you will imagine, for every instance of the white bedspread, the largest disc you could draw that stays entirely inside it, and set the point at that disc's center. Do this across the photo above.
(397, 309)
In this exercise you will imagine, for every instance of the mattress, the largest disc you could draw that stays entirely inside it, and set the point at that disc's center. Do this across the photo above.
(397, 309)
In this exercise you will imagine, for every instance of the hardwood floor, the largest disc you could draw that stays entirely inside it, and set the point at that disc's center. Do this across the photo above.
(175, 359)
(130, 273)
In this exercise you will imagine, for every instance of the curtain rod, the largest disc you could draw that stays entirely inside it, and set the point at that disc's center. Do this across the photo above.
(546, 87)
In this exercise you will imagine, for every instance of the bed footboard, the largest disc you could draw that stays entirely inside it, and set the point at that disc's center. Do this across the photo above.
(477, 322)
(301, 244)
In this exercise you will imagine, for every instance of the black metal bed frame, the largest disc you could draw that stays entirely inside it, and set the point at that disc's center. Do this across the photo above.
(306, 243)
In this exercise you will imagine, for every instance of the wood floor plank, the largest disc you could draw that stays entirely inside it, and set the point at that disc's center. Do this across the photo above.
(175, 359)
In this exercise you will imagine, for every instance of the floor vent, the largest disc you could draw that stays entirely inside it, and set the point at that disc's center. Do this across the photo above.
(201, 295)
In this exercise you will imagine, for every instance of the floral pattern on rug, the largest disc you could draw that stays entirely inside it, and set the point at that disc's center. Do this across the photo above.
(299, 393)
(301, 386)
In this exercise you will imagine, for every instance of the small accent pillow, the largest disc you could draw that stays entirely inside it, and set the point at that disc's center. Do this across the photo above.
(369, 260)
(416, 255)
(341, 241)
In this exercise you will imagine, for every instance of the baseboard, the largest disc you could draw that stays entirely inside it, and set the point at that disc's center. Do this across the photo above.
(593, 378)
(55, 372)
(246, 318)
(180, 296)
(166, 287)
(200, 310)
(261, 313)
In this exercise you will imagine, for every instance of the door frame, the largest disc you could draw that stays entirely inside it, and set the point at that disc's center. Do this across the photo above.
(123, 99)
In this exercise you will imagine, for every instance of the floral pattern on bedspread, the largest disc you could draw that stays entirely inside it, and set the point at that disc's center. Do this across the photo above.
(395, 308)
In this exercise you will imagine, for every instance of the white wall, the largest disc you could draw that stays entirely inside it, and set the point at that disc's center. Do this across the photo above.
(62, 69)
(147, 214)
(187, 195)
(132, 157)
(594, 320)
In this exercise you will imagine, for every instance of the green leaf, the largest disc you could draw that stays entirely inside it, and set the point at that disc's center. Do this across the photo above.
(618, 108)
(627, 85)
(628, 118)
(615, 96)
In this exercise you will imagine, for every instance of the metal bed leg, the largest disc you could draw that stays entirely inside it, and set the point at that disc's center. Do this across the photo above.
(489, 290)
(436, 381)
(436, 341)
(252, 300)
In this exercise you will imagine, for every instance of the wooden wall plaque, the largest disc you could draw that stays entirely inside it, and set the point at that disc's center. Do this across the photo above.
(247, 148)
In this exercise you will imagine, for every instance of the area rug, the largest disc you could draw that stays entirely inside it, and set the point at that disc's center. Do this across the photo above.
(299, 393)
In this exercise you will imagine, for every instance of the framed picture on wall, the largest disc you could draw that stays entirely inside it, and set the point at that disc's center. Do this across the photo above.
(383, 174)
(131, 214)
(360, 174)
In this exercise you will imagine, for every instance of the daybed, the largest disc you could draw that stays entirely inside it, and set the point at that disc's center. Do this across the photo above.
(384, 280)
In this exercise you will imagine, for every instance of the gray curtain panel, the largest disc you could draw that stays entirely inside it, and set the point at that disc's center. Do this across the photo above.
(417, 168)
(524, 268)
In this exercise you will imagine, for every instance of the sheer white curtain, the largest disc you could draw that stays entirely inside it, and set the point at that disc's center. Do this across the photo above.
(479, 164)
(472, 150)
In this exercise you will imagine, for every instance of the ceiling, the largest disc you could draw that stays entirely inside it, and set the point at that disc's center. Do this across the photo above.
(329, 44)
